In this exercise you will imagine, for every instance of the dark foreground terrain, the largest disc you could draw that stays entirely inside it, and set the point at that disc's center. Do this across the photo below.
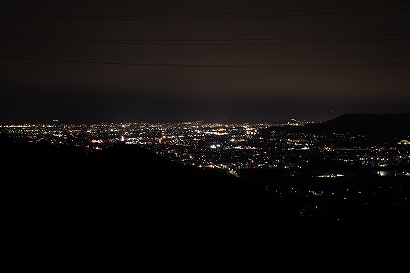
(64, 198)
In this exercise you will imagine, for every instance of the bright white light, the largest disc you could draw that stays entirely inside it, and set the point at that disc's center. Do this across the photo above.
(382, 173)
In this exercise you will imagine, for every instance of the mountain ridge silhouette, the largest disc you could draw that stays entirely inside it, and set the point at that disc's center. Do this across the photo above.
(359, 123)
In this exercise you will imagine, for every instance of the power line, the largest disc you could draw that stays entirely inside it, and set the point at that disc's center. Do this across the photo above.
(325, 65)
(206, 42)
(225, 15)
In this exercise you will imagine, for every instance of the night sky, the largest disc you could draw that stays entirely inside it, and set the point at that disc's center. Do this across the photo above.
(216, 61)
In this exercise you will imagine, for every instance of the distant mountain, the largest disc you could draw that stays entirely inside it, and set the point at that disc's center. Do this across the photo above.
(370, 124)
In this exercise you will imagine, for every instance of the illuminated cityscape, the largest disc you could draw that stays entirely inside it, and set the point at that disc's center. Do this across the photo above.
(158, 131)
(233, 147)
(321, 176)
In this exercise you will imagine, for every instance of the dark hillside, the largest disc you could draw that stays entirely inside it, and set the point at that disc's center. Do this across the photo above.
(382, 125)
(124, 191)
(102, 203)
